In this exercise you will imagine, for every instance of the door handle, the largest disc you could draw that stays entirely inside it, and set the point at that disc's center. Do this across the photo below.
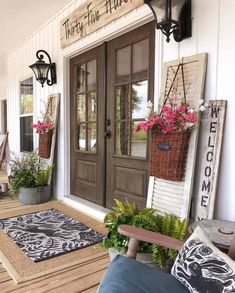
(107, 134)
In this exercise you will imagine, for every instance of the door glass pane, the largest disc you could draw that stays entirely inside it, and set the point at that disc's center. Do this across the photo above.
(92, 137)
(91, 75)
(123, 64)
(81, 78)
(140, 60)
(81, 137)
(122, 138)
(139, 99)
(122, 102)
(91, 104)
(26, 134)
(81, 110)
(138, 142)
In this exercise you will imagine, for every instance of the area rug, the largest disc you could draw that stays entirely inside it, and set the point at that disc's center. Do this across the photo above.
(49, 233)
(22, 268)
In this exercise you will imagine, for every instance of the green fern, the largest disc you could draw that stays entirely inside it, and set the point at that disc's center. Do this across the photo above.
(147, 218)
(159, 256)
(173, 227)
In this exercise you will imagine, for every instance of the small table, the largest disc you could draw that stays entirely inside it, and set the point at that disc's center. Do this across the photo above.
(219, 232)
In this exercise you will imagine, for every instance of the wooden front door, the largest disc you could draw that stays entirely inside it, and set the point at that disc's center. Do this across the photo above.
(116, 165)
(87, 109)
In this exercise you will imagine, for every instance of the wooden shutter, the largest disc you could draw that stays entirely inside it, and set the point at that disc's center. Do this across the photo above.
(171, 196)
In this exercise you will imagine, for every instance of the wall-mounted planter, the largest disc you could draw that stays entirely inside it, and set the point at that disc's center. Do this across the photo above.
(34, 195)
(44, 148)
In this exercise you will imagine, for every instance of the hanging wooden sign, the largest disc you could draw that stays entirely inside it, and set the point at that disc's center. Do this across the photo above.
(91, 16)
(212, 143)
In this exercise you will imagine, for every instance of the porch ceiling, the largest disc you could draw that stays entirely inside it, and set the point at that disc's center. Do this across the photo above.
(19, 19)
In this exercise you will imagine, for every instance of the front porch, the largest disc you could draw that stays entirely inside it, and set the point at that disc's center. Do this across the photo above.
(83, 277)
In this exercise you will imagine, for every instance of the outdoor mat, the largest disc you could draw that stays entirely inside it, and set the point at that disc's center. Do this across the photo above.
(30, 227)
(48, 233)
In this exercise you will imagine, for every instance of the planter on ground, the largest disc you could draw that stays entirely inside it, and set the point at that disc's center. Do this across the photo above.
(34, 195)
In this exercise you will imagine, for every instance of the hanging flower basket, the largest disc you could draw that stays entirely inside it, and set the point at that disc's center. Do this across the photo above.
(168, 154)
(44, 149)
(170, 131)
(45, 130)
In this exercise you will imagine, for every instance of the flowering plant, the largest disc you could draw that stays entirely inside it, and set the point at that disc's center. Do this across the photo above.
(42, 126)
(173, 117)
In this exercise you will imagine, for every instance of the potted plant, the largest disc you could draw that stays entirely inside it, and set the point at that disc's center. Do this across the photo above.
(29, 178)
(149, 219)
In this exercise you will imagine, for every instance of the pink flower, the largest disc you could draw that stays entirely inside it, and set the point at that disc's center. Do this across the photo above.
(173, 117)
(191, 117)
(182, 109)
(42, 126)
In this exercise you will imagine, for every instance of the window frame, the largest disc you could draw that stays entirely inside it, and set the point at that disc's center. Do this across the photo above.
(26, 115)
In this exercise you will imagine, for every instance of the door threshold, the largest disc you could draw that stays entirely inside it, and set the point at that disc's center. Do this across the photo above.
(91, 209)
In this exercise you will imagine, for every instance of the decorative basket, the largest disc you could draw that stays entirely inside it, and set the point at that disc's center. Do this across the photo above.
(44, 149)
(168, 155)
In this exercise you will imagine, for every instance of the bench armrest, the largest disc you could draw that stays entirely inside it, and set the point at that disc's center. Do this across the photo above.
(138, 234)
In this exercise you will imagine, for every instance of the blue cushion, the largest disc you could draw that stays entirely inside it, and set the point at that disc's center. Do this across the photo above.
(126, 275)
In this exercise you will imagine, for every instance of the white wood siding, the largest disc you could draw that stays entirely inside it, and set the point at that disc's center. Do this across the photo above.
(212, 33)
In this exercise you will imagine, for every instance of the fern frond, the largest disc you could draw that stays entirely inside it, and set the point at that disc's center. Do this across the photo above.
(172, 254)
(182, 230)
(166, 225)
(159, 255)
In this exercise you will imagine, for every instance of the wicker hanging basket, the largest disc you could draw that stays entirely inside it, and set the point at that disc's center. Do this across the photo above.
(44, 149)
(169, 151)
(168, 155)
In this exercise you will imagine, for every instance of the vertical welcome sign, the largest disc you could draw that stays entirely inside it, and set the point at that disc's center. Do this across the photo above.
(212, 143)
(91, 16)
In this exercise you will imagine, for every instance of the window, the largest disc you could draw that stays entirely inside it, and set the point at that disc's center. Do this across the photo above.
(26, 115)
(131, 97)
(86, 92)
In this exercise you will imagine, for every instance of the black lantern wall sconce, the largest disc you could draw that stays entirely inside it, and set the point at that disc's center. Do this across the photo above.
(172, 17)
(44, 72)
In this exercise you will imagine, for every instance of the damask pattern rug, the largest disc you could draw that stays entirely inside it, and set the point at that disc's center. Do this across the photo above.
(49, 233)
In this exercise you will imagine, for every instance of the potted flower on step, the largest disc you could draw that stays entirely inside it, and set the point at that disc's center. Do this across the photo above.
(29, 177)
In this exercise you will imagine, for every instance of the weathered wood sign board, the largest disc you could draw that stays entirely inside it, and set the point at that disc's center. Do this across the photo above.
(52, 110)
(91, 16)
(212, 143)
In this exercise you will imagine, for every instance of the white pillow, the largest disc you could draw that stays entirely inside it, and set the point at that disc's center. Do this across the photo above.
(202, 267)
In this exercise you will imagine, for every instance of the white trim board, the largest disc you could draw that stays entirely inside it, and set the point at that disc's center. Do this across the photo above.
(93, 210)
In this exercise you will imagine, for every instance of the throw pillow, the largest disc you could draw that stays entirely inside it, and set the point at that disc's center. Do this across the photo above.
(202, 267)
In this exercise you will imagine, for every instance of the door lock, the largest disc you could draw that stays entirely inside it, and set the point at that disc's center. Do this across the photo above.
(107, 134)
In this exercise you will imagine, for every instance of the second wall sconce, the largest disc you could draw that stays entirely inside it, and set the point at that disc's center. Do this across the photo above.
(172, 17)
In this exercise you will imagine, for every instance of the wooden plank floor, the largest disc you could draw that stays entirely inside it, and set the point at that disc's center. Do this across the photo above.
(70, 280)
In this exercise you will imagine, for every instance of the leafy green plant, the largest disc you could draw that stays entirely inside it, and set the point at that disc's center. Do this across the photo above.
(147, 218)
(41, 176)
(173, 227)
(27, 171)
